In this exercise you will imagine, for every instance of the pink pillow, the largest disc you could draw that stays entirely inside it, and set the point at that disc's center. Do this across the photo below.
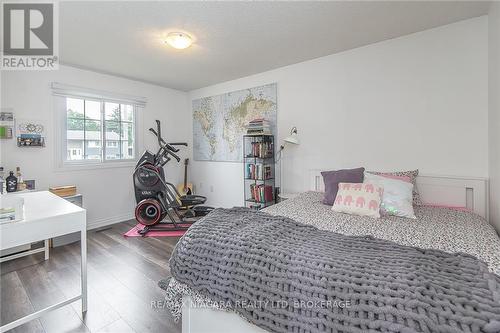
(391, 176)
(361, 199)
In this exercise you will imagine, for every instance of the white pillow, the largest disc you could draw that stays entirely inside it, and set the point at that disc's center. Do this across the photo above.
(397, 199)
(361, 199)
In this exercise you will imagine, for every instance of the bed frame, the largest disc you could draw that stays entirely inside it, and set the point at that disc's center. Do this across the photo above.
(469, 192)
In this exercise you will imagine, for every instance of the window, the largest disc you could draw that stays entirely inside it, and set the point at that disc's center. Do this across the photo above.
(92, 122)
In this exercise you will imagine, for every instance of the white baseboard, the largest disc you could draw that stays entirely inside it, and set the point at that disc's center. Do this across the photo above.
(99, 223)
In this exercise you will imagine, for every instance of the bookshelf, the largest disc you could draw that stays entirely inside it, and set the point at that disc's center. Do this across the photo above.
(259, 171)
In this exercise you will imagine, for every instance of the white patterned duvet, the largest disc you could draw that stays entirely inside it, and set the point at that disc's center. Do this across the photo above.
(435, 228)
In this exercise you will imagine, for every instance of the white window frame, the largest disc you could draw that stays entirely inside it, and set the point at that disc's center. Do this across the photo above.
(61, 161)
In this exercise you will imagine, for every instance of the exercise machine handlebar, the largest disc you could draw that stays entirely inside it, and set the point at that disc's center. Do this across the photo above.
(165, 148)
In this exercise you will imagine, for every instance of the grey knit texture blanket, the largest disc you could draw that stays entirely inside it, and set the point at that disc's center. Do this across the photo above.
(284, 276)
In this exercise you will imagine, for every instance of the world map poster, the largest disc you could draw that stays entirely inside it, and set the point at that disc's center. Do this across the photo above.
(219, 122)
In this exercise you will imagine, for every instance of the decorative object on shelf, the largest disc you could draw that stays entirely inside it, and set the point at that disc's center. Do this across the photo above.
(293, 140)
(259, 173)
(6, 124)
(21, 186)
(11, 182)
(219, 122)
(2, 180)
(30, 184)
(63, 191)
(30, 133)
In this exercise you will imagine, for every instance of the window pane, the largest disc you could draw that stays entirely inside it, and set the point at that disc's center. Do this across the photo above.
(74, 138)
(74, 107)
(113, 150)
(127, 149)
(74, 150)
(112, 111)
(112, 140)
(74, 124)
(93, 152)
(127, 140)
(92, 110)
(127, 112)
(112, 130)
(93, 145)
(127, 131)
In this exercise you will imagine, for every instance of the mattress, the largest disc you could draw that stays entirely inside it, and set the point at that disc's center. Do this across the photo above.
(435, 228)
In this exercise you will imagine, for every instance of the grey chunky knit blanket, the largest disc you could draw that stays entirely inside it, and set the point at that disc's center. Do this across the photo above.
(284, 276)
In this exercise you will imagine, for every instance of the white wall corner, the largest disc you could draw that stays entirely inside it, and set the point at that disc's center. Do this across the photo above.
(494, 112)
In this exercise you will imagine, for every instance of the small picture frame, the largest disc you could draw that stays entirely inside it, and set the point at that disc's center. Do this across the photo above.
(30, 184)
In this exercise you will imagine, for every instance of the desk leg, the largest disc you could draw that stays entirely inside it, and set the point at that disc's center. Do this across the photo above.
(46, 246)
(83, 244)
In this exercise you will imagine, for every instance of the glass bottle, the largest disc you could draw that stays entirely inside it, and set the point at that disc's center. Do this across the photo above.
(2, 180)
(11, 182)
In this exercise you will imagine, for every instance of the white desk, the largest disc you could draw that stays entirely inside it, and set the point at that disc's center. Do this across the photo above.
(46, 216)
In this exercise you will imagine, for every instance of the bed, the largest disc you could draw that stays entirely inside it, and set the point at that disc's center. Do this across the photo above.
(448, 229)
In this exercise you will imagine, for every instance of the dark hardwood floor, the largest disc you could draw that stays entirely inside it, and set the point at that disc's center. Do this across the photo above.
(123, 295)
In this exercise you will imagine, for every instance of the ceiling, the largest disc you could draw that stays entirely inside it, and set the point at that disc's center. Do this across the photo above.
(233, 39)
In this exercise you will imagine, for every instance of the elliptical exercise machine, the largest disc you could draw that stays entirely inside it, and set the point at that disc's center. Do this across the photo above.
(156, 198)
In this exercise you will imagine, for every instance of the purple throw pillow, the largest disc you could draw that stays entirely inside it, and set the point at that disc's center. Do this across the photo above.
(333, 178)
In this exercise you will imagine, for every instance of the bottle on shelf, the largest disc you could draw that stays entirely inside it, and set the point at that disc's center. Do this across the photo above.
(2, 180)
(11, 182)
(20, 181)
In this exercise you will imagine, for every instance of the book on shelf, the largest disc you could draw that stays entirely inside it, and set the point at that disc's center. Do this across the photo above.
(258, 171)
(259, 126)
(261, 193)
(262, 149)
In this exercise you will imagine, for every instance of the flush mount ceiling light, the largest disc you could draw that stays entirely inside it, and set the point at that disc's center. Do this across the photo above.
(179, 40)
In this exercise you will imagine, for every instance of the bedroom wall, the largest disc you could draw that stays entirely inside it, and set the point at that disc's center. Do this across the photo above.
(494, 112)
(419, 101)
(108, 193)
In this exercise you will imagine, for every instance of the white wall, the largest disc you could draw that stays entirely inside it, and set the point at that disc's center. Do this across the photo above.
(494, 112)
(419, 101)
(108, 193)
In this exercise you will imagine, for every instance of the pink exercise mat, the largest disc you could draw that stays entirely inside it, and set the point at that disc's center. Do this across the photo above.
(164, 233)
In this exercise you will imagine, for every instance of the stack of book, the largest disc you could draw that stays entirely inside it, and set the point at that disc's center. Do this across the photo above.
(261, 193)
(262, 149)
(11, 209)
(7, 214)
(259, 126)
(258, 171)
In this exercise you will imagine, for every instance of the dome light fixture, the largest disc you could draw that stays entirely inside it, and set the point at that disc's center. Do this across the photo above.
(179, 40)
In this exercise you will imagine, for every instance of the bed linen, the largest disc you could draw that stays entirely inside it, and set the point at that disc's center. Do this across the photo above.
(435, 228)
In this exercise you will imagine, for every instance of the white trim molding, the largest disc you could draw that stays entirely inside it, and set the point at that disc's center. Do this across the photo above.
(60, 89)
(104, 222)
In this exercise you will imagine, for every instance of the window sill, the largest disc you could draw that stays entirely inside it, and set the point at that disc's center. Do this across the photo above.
(95, 166)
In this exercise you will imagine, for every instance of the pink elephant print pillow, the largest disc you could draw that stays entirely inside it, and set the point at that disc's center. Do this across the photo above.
(361, 199)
